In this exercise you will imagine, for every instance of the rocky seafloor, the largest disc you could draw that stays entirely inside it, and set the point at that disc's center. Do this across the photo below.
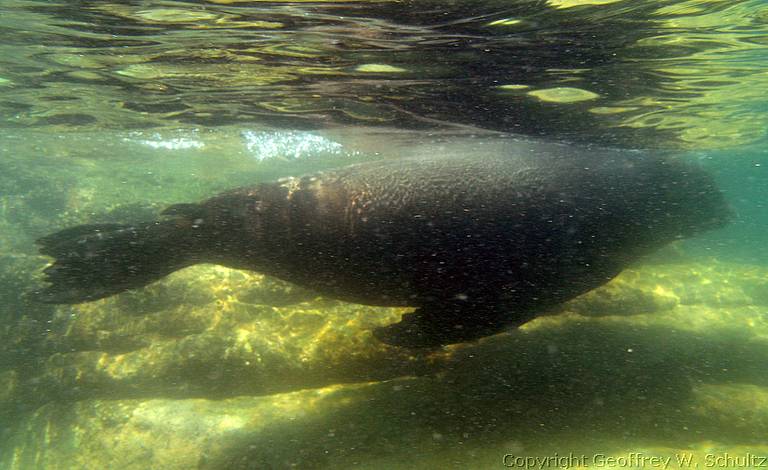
(216, 368)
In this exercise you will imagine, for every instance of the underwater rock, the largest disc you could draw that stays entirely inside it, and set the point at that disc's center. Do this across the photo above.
(739, 409)
(666, 287)
(559, 384)
(212, 330)
(209, 329)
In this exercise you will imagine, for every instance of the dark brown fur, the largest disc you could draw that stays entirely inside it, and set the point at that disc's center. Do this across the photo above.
(475, 242)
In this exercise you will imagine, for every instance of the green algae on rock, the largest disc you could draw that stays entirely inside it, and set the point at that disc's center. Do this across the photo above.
(229, 381)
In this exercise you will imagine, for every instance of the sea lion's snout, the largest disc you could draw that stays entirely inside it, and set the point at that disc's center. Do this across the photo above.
(705, 205)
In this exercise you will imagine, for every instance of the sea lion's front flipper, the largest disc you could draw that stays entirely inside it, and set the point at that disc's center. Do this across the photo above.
(445, 323)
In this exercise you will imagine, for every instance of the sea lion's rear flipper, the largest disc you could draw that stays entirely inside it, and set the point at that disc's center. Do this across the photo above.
(445, 323)
(95, 261)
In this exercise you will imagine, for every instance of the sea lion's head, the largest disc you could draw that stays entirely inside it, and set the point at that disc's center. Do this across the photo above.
(691, 202)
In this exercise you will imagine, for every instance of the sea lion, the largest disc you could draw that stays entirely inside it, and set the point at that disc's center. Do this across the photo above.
(477, 242)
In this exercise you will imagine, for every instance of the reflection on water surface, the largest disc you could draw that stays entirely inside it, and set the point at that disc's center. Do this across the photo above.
(689, 71)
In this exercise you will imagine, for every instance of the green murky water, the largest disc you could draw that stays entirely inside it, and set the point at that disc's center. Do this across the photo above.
(111, 111)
